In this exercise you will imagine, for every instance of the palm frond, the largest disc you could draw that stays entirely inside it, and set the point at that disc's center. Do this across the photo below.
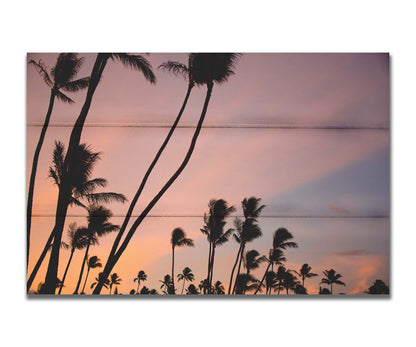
(66, 67)
(176, 68)
(76, 85)
(41, 69)
(88, 187)
(96, 198)
(136, 62)
(61, 96)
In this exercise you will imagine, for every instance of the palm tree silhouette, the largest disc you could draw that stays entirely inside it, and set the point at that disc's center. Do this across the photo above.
(218, 288)
(245, 282)
(251, 260)
(280, 275)
(106, 281)
(136, 62)
(186, 275)
(114, 280)
(83, 187)
(167, 285)
(207, 69)
(178, 239)
(93, 263)
(281, 241)
(141, 277)
(78, 239)
(246, 231)
(332, 278)
(305, 272)
(192, 290)
(378, 287)
(270, 281)
(289, 281)
(98, 226)
(61, 76)
(214, 230)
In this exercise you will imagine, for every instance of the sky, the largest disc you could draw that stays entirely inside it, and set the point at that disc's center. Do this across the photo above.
(273, 132)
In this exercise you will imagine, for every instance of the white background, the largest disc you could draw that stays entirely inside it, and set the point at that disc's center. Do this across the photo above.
(164, 26)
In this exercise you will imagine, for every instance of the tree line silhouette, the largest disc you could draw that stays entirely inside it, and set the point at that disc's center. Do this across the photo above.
(71, 172)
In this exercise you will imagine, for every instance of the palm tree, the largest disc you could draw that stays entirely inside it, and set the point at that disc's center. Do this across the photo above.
(245, 282)
(289, 281)
(207, 69)
(300, 289)
(218, 288)
(186, 275)
(78, 239)
(93, 263)
(276, 256)
(192, 290)
(136, 62)
(214, 230)
(83, 187)
(178, 239)
(98, 279)
(114, 280)
(331, 277)
(305, 272)
(167, 285)
(141, 276)
(98, 226)
(280, 275)
(246, 231)
(251, 260)
(270, 281)
(61, 76)
(378, 287)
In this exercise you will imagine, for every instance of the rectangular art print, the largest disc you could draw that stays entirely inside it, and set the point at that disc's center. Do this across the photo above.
(208, 174)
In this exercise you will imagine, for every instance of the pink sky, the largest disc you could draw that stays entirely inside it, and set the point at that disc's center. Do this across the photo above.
(296, 172)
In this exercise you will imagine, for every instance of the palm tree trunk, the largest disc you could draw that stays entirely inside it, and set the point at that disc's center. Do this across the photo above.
(183, 286)
(66, 270)
(264, 276)
(82, 267)
(331, 288)
(65, 188)
(173, 267)
(239, 266)
(138, 286)
(85, 282)
(232, 272)
(33, 173)
(39, 262)
(148, 172)
(113, 260)
(212, 266)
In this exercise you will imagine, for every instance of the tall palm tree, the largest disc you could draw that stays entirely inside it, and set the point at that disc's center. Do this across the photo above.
(207, 69)
(186, 275)
(167, 285)
(78, 239)
(305, 272)
(246, 231)
(214, 230)
(93, 263)
(141, 277)
(83, 187)
(98, 226)
(114, 280)
(106, 281)
(60, 77)
(331, 277)
(178, 239)
(136, 62)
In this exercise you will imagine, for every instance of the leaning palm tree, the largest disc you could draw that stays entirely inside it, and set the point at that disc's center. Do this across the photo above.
(186, 275)
(141, 277)
(136, 62)
(98, 226)
(214, 230)
(60, 77)
(178, 239)
(246, 231)
(207, 69)
(78, 239)
(305, 272)
(93, 263)
(331, 277)
(83, 187)
(114, 280)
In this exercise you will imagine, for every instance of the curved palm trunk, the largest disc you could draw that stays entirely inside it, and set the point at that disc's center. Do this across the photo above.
(113, 260)
(85, 282)
(138, 286)
(232, 272)
(33, 173)
(147, 174)
(82, 267)
(209, 265)
(183, 286)
(66, 270)
(173, 268)
(65, 189)
(239, 266)
(39, 262)
(212, 267)
(264, 276)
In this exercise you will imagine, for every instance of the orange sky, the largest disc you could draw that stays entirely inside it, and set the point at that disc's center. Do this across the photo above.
(296, 172)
